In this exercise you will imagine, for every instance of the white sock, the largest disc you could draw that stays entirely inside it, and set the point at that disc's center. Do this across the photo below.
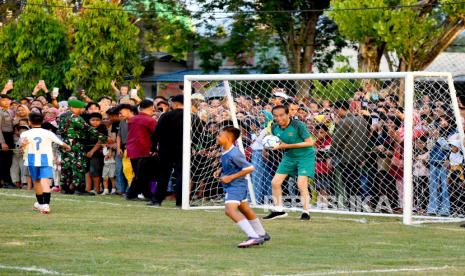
(306, 212)
(279, 209)
(247, 228)
(257, 226)
(105, 190)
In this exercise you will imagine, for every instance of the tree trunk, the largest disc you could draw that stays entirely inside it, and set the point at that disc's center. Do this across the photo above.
(308, 42)
(451, 31)
(369, 55)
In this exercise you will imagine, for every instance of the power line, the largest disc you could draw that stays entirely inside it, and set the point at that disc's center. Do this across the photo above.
(421, 5)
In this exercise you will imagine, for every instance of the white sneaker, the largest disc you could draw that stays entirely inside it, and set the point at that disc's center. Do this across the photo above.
(322, 205)
(36, 206)
(45, 209)
(105, 193)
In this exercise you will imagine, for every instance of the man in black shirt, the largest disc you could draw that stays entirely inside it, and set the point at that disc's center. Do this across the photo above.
(167, 142)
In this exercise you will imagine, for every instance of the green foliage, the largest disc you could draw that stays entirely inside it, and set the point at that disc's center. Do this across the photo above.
(105, 48)
(337, 89)
(354, 21)
(415, 34)
(163, 31)
(35, 47)
(299, 36)
(210, 53)
(329, 42)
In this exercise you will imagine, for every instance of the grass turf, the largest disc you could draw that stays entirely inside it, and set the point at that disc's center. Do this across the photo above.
(110, 236)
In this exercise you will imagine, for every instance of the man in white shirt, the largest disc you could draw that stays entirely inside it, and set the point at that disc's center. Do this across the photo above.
(37, 145)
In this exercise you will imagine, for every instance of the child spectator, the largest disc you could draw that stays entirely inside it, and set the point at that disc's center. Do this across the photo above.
(420, 174)
(109, 169)
(323, 164)
(95, 154)
(456, 178)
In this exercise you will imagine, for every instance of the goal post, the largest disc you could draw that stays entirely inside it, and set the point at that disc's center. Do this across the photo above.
(388, 174)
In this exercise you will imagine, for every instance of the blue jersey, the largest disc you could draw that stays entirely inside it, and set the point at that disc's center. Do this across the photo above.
(233, 161)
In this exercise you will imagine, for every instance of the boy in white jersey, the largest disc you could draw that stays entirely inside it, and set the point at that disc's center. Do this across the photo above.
(37, 145)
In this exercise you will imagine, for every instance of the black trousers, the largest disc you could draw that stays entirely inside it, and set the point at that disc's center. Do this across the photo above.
(6, 158)
(350, 175)
(144, 172)
(168, 168)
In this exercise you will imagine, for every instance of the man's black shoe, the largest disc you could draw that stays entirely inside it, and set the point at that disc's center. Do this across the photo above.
(275, 215)
(153, 203)
(10, 186)
(85, 193)
(135, 198)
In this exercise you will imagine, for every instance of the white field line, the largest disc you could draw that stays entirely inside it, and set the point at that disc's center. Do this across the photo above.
(392, 270)
(362, 220)
(92, 201)
(32, 269)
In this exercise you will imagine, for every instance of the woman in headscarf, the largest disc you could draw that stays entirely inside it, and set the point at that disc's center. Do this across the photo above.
(21, 113)
(51, 115)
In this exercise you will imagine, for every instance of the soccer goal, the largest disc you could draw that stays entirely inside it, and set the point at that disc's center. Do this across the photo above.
(386, 144)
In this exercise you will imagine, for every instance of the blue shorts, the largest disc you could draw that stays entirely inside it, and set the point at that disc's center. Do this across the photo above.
(38, 173)
(235, 194)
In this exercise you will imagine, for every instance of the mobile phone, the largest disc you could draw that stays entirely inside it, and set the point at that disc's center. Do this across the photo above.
(55, 92)
(133, 93)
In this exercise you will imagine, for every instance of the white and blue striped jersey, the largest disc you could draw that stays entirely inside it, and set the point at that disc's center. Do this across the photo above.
(39, 151)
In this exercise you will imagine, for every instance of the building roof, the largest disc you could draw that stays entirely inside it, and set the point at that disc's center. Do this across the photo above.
(448, 62)
(178, 76)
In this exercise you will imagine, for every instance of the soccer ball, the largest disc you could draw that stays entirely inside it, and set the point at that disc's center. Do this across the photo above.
(270, 141)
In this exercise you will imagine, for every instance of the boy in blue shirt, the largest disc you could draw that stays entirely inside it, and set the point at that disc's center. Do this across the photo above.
(234, 169)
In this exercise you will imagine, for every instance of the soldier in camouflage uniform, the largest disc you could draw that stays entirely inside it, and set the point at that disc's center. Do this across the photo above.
(74, 131)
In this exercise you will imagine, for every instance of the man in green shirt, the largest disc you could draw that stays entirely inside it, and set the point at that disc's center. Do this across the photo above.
(298, 159)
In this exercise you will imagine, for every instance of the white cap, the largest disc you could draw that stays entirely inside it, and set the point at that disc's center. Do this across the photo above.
(455, 143)
(281, 94)
(63, 104)
(198, 96)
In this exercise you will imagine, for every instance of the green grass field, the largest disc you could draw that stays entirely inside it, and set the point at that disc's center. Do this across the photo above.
(110, 236)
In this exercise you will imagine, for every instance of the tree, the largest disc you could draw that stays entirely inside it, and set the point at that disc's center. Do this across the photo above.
(417, 31)
(10, 9)
(165, 26)
(105, 48)
(294, 23)
(356, 22)
(35, 47)
(210, 53)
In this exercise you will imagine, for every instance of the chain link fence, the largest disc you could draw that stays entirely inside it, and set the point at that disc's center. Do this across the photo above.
(358, 129)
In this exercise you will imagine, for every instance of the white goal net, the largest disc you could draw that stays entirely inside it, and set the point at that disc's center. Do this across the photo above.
(386, 144)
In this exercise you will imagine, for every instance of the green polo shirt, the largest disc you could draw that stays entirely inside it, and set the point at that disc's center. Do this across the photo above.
(295, 132)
